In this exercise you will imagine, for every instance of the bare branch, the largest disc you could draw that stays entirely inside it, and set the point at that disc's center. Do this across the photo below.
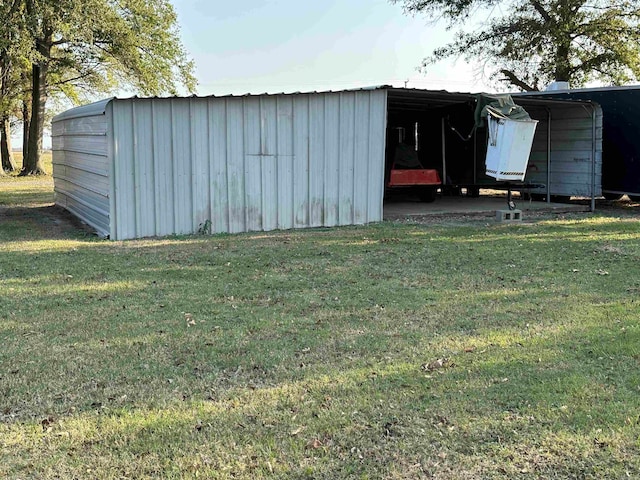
(515, 81)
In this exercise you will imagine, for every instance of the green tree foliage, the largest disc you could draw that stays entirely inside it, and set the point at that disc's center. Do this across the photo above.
(530, 43)
(84, 48)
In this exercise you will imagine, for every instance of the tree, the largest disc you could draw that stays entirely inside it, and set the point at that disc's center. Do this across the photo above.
(531, 43)
(99, 46)
(12, 51)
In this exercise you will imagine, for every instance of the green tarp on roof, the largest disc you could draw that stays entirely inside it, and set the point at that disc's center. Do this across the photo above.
(498, 105)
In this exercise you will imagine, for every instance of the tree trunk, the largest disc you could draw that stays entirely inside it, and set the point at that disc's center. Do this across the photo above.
(8, 163)
(563, 64)
(32, 164)
(26, 123)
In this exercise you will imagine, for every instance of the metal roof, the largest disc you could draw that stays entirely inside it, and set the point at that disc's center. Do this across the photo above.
(584, 90)
(399, 98)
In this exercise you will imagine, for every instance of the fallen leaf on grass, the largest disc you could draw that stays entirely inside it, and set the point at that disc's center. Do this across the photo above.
(297, 431)
(602, 272)
(436, 365)
(47, 424)
(315, 444)
(189, 318)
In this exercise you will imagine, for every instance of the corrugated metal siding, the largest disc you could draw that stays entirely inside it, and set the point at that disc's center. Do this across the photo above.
(247, 163)
(571, 150)
(81, 165)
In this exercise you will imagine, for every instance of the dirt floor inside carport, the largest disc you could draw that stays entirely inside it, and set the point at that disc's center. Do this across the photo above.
(462, 208)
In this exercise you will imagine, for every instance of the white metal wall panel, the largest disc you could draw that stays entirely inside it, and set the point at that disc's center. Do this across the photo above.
(269, 139)
(235, 165)
(163, 167)
(300, 161)
(375, 180)
(124, 179)
(254, 154)
(361, 158)
(347, 157)
(247, 163)
(332, 159)
(316, 161)
(219, 192)
(81, 165)
(144, 170)
(285, 160)
(571, 163)
(200, 167)
(182, 166)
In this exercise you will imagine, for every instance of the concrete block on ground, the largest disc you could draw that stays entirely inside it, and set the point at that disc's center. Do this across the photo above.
(509, 215)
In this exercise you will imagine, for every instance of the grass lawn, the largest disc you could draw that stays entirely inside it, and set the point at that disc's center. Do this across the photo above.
(450, 351)
(27, 191)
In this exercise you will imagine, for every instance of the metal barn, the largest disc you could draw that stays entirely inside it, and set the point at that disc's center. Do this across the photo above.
(138, 167)
(148, 167)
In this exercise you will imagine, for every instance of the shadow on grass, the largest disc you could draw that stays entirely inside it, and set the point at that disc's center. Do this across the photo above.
(41, 223)
(25, 196)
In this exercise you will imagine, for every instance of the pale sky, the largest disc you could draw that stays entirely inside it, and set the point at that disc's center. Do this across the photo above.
(257, 46)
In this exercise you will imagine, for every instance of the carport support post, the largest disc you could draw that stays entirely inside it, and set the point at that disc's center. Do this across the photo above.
(475, 156)
(593, 158)
(444, 157)
(548, 155)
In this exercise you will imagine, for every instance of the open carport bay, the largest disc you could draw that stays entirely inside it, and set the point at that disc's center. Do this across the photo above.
(565, 160)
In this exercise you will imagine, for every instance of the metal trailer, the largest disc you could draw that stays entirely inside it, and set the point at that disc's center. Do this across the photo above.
(620, 143)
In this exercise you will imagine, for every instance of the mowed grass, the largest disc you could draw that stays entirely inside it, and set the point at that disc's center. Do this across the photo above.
(27, 191)
(470, 351)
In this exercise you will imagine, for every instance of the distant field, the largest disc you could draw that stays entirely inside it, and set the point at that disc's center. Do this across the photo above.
(46, 160)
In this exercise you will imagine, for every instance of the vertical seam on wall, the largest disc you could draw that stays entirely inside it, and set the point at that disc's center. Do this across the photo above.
(339, 164)
(293, 161)
(210, 137)
(263, 152)
(308, 212)
(192, 161)
(244, 165)
(174, 174)
(155, 168)
(368, 160)
(111, 145)
(226, 162)
(276, 189)
(324, 167)
(323, 215)
(135, 167)
(353, 158)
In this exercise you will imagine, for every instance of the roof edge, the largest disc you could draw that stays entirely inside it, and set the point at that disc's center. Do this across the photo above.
(89, 110)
